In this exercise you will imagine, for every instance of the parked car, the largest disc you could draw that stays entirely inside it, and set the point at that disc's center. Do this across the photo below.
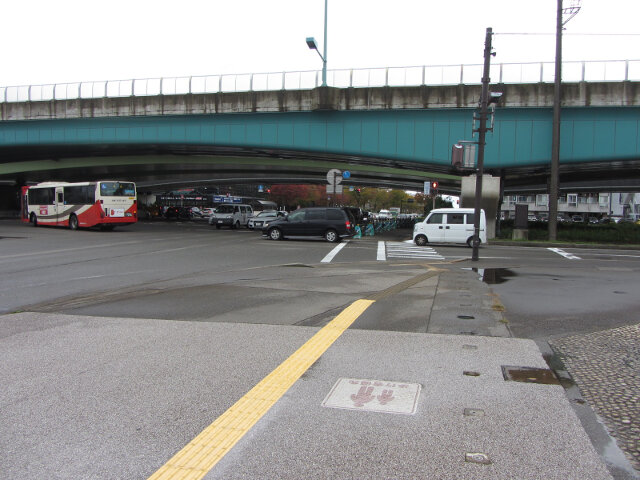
(384, 215)
(176, 212)
(359, 216)
(231, 215)
(196, 213)
(257, 221)
(577, 219)
(330, 223)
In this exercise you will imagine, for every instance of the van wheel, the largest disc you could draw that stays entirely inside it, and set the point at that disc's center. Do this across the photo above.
(421, 240)
(331, 236)
(34, 220)
(73, 222)
(275, 234)
(470, 242)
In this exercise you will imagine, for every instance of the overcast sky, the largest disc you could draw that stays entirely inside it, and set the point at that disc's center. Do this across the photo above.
(54, 41)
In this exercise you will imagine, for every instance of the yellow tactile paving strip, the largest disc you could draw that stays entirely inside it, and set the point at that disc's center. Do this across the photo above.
(203, 452)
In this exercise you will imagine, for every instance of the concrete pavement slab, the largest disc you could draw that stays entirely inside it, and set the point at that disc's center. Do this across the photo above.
(528, 431)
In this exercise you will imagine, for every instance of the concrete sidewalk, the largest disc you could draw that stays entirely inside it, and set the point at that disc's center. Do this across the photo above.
(526, 431)
(88, 397)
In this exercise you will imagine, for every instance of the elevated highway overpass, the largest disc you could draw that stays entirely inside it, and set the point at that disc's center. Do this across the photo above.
(397, 136)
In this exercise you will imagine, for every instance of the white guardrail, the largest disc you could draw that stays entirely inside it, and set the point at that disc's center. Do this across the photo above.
(575, 71)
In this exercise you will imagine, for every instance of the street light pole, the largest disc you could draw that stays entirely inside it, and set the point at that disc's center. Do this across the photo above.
(324, 57)
(482, 132)
(311, 43)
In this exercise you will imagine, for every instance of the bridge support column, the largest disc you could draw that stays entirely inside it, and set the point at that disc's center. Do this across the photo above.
(489, 202)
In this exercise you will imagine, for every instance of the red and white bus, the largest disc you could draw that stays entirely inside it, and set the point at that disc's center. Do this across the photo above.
(83, 204)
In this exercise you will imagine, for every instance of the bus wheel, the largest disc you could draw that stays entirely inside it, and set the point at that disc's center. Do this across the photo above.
(34, 220)
(73, 222)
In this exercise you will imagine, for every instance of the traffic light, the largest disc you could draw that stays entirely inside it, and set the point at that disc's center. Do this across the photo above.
(434, 185)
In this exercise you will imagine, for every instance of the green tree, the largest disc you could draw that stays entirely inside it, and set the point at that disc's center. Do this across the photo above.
(440, 203)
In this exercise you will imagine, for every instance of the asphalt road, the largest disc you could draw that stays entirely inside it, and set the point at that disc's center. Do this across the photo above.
(190, 271)
(102, 382)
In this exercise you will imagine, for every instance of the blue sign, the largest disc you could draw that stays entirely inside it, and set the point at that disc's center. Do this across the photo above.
(260, 188)
(346, 174)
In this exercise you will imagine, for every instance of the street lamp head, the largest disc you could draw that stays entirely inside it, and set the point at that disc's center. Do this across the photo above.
(311, 43)
(494, 97)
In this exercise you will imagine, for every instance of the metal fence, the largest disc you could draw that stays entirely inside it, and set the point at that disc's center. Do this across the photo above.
(581, 71)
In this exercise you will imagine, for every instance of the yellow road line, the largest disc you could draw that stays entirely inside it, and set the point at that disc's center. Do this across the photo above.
(203, 452)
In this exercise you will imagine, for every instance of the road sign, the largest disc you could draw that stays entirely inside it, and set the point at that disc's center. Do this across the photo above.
(334, 176)
(427, 188)
(331, 189)
(346, 174)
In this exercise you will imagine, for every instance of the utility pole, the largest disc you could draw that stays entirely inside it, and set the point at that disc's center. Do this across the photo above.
(482, 132)
(555, 139)
(554, 181)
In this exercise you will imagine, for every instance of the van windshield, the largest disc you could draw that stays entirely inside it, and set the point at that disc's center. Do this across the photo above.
(224, 209)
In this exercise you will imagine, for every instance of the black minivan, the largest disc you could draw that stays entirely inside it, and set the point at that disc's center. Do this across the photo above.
(330, 223)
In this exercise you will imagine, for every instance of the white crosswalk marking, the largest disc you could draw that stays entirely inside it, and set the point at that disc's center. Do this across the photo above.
(559, 251)
(409, 250)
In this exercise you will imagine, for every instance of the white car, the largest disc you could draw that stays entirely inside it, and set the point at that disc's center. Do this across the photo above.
(384, 215)
(260, 218)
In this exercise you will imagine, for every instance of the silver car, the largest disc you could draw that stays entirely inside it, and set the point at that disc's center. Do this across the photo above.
(259, 219)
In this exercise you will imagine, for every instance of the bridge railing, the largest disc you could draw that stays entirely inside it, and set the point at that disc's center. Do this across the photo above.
(577, 71)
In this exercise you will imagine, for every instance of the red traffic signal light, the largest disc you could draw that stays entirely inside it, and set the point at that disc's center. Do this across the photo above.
(434, 185)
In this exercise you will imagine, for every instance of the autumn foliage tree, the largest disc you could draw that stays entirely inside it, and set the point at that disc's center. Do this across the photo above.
(292, 196)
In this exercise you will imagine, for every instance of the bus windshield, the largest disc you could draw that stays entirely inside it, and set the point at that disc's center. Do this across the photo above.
(117, 189)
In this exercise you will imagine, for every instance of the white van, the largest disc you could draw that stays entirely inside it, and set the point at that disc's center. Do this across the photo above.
(231, 215)
(449, 225)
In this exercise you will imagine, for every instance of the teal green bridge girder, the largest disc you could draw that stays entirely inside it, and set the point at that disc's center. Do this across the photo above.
(521, 137)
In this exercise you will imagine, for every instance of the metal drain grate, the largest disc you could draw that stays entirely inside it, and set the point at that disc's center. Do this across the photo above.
(530, 375)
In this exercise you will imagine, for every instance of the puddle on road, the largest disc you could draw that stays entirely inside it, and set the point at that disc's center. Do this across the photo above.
(529, 375)
(493, 276)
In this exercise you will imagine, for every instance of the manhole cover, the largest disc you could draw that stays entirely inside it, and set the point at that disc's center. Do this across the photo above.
(374, 396)
(530, 375)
